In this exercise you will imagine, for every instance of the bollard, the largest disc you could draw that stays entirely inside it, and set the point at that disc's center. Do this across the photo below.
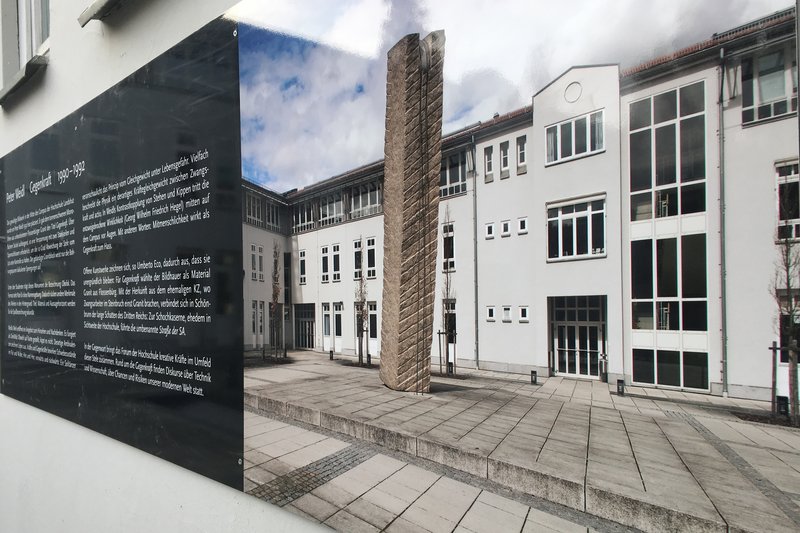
(449, 368)
(620, 387)
(534, 377)
(369, 359)
(783, 405)
(331, 354)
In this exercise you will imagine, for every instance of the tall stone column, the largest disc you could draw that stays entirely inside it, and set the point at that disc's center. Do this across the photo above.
(413, 157)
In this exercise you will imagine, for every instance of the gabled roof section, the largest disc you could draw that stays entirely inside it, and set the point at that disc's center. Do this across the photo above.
(716, 40)
(570, 69)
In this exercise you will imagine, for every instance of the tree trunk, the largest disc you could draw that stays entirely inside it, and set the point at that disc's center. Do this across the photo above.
(793, 400)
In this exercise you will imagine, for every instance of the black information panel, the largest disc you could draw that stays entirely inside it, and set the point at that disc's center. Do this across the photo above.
(123, 274)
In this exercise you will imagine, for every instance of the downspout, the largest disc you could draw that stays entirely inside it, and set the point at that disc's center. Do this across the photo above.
(723, 269)
(475, 240)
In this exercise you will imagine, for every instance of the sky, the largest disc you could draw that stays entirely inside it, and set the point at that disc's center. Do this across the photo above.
(313, 72)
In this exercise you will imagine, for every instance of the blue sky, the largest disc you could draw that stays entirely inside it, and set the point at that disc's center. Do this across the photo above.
(313, 73)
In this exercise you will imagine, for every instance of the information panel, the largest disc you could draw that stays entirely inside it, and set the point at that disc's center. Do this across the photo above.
(123, 274)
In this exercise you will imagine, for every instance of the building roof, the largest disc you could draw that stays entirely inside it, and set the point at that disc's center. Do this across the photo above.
(716, 40)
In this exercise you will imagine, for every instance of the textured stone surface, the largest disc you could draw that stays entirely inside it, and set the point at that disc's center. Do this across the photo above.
(411, 196)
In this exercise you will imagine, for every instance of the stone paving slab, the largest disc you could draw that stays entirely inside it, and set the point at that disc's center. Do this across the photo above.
(652, 471)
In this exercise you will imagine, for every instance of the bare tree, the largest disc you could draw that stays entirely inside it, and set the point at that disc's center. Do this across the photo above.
(786, 291)
(447, 292)
(276, 295)
(362, 312)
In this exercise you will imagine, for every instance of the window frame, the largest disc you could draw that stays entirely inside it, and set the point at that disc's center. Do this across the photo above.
(787, 179)
(448, 232)
(302, 267)
(325, 264)
(448, 184)
(489, 231)
(524, 315)
(752, 112)
(506, 316)
(559, 128)
(574, 215)
(505, 228)
(336, 263)
(372, 258)
(522, 226)
(491, 315)
(522, 156)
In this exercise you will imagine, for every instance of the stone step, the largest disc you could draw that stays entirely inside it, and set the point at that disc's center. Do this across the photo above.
(565, 484)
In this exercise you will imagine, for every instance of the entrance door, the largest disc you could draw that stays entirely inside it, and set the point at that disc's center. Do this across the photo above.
(578, 340)
(304, 325)
(337, 327)
(327, 340)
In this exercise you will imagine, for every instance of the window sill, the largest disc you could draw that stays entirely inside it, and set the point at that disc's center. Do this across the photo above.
(504, 174)
(524, 321)
(573, 158)
(98, 10)
(522, 232)
(522, 169)
(576, 258)
(489, 237)
(34, 65)
(488, 178)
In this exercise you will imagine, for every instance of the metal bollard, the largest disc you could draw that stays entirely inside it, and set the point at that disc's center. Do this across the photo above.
(620, 387)
(534, 377)
(331, 354)
(449, 368)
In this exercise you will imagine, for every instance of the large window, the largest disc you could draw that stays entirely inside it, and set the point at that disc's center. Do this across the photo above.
(256, 262)
(302, 254)
(325, 264)
(303, 217)
(261, 212)
(668, 153)
(453, 177)
(357, 259)
(366, 199)
(576, 230)
(671, 368)
(788, 201)
(330, 209)
(769, 85)
(668, 283)
(337, 276)
(577, 137)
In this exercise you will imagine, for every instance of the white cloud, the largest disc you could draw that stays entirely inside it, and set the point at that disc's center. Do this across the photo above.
(497, 54)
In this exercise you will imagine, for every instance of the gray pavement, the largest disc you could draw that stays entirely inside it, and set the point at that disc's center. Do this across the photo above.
(658, 461)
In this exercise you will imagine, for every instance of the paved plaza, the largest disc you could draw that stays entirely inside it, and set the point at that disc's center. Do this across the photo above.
(654, 461)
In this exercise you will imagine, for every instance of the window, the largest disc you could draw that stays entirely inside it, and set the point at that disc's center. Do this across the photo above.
(788, 201)
(255, 314)
(767, 90)
(667, 154)
(302, 255)
(450, 320)
(253, 262)
(490, 313)
(256, 262)
(671, 368)
(330, 209)
(503, 160)
(668, 283)
(453, 177)
(371, 271)
(490, 230)
(33, 27)
(372, 308)
(521, 157)
(357, 259)
(337, 319)
(449, 263)
(487, 162)
(326, 320)
(522, 226)
(574, 138)
(366, 199)
(261, 212)
(523, 313)
(336, 272)
(260, 263)
(261, 317)
(254, 209)
(576, 230)
(303, 217)
(506, 313)
(505, 228)
(325, 259)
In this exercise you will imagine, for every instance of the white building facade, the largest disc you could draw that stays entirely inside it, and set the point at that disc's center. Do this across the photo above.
(625, 223)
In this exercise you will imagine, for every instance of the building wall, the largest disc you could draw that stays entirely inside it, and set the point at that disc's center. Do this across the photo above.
(507, 273)
(592, 176)
(751, 155)
(258, 283)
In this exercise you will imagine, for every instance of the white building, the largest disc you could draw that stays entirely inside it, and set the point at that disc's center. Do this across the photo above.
(608, 224)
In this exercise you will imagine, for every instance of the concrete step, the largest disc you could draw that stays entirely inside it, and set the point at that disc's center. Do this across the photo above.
(612, 493)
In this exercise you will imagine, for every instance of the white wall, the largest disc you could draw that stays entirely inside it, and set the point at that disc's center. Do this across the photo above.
(54, 475)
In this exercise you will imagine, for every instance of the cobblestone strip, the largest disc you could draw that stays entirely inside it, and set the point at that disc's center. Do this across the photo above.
(767, 488)
(288, 487)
